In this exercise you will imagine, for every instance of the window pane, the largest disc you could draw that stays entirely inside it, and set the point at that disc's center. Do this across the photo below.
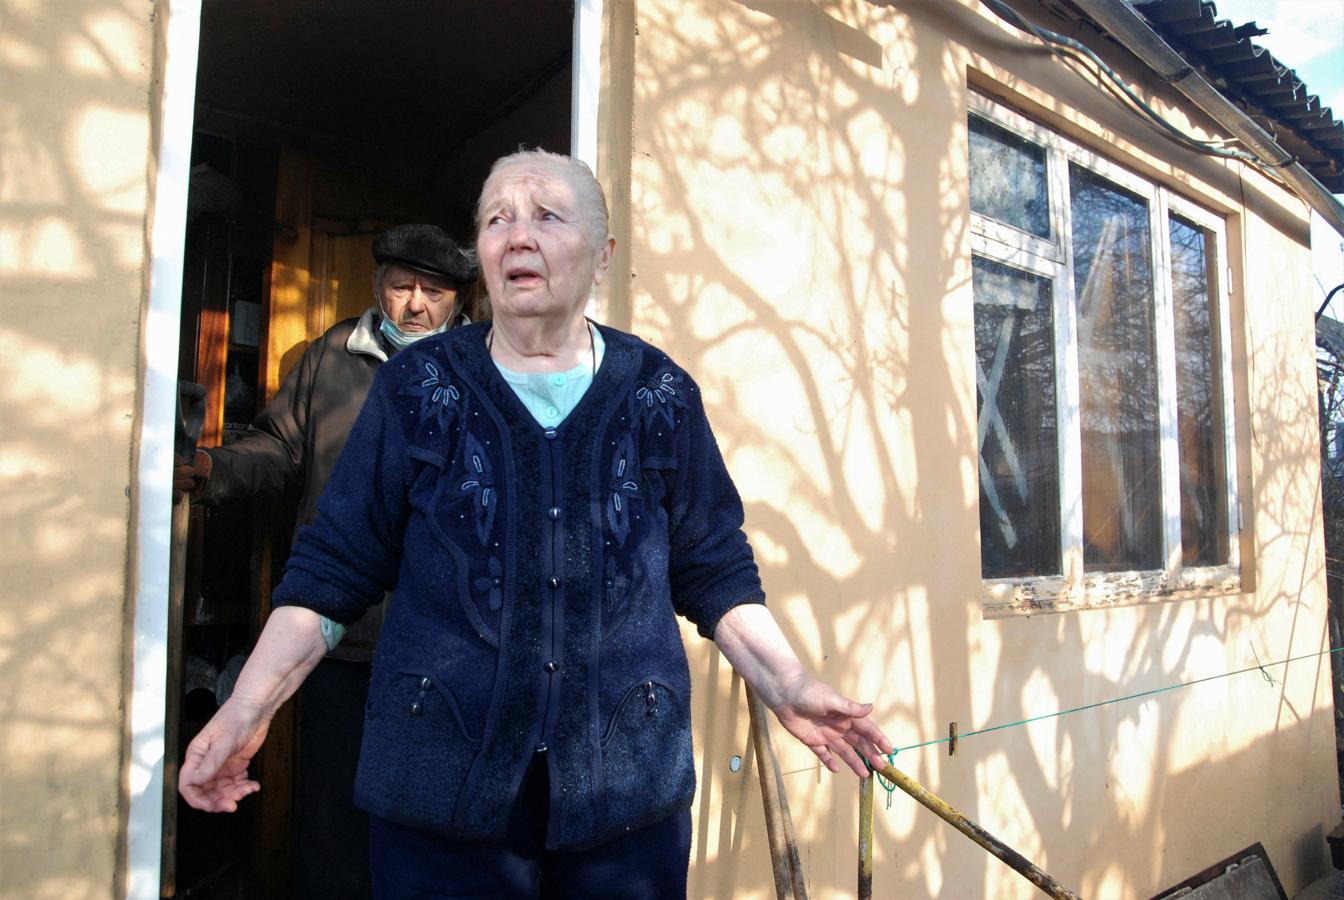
(1015, 375)
(1198, 400)
(1113, 292)
(1008, 178)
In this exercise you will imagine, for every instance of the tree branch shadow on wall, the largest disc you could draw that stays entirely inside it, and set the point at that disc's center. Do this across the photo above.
(847, 378)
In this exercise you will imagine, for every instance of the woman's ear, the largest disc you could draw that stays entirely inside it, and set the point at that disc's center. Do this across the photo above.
(604, 259)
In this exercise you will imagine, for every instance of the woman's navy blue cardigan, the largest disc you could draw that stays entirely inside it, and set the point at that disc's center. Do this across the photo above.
(536, 575)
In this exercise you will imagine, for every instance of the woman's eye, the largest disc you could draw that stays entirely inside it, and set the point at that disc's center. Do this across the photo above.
(548, 216)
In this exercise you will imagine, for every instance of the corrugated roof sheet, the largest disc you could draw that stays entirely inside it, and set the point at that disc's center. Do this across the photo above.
(1250, 76)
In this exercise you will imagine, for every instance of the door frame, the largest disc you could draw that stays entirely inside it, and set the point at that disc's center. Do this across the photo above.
(151, 505)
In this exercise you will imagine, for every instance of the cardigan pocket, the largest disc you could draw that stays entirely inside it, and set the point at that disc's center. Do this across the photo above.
(419, 695)
(416, 751)
(647, 765)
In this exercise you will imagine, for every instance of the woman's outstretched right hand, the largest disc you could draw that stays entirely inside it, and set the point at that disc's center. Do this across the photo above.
(213, 776)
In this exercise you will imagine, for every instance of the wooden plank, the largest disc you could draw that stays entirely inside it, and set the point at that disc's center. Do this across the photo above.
(181, 523)
(286, 317)
(865, 889)
(787, 867)
(212, 344)
(996, 848)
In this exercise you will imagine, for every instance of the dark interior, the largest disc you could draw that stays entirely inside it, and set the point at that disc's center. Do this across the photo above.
(420, 95)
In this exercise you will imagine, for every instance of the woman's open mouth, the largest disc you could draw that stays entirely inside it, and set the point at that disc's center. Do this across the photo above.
(523, 277)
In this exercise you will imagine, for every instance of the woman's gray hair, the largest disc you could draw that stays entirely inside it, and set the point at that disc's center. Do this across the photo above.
(592, 200)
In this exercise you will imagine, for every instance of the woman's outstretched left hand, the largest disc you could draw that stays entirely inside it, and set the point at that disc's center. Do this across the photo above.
(836, 728)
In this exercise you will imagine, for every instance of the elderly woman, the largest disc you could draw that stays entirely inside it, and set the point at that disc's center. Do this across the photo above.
(542, 495)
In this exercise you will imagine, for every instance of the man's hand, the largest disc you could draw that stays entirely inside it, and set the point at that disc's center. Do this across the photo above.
(190, 476)
(213, 776)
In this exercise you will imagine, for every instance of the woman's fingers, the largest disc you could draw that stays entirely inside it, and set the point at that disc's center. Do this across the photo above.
(827, 757)
(213, 776)
(219, 795)
(866, 738)
(853, 760)
(837, 729)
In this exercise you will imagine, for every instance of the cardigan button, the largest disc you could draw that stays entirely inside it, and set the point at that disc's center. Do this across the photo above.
(549, 434)
(554, 581)
(551, 667)
(554, 513)
(542, 748)
(425, 684)
(415, 708)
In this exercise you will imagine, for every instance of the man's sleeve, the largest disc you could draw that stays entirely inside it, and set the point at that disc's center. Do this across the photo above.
(711, 566)
(267, 460)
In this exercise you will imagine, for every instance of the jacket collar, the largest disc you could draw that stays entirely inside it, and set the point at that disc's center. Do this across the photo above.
(364, 339)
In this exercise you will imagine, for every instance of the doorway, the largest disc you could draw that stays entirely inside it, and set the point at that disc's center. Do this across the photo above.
(318, 123)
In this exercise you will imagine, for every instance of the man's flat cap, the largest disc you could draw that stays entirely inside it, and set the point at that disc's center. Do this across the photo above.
(426, 248)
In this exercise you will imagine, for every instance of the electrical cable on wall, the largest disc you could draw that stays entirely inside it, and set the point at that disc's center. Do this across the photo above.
(1068, 48)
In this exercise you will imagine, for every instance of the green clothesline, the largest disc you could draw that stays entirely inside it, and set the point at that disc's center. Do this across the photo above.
(1258, 667)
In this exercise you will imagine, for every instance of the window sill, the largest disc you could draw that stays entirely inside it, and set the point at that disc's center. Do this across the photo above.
(1011, 597)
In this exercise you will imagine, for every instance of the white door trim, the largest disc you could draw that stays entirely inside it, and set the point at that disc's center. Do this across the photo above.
(151, 505)
(585, 81)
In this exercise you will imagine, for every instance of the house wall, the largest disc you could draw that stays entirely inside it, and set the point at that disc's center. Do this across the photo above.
(75, 142)
(799, 240)
(796, 208)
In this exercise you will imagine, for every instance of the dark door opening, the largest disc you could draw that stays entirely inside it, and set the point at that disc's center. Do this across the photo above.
(319, 123)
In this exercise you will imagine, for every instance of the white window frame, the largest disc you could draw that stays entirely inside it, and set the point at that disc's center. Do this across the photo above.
(1052, 258)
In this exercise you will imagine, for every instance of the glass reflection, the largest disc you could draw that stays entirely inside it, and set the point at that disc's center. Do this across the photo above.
(1008, 178)
(1118, 384)
(1198, 400)
(1015, 376)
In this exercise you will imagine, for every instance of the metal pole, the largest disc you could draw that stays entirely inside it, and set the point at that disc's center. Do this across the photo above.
(996, 847)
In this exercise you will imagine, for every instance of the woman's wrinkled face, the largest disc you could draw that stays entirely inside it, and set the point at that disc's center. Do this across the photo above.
(535, 250)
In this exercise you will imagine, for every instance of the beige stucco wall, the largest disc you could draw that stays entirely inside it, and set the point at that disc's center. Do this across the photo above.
(799, 239)
(75, 145)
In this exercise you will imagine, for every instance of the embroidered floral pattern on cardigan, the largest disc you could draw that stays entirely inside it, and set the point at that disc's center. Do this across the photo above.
(480, 484)
(438, 398)
(621, 485)
(494, 584)
(658, 396)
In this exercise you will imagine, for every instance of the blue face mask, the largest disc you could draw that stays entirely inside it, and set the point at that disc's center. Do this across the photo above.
(400, 339)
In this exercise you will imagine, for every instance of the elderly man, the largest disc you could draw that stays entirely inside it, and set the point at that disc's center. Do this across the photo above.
(290, 450)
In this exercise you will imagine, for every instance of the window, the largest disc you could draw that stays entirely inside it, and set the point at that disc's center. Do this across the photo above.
(1103, 389)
